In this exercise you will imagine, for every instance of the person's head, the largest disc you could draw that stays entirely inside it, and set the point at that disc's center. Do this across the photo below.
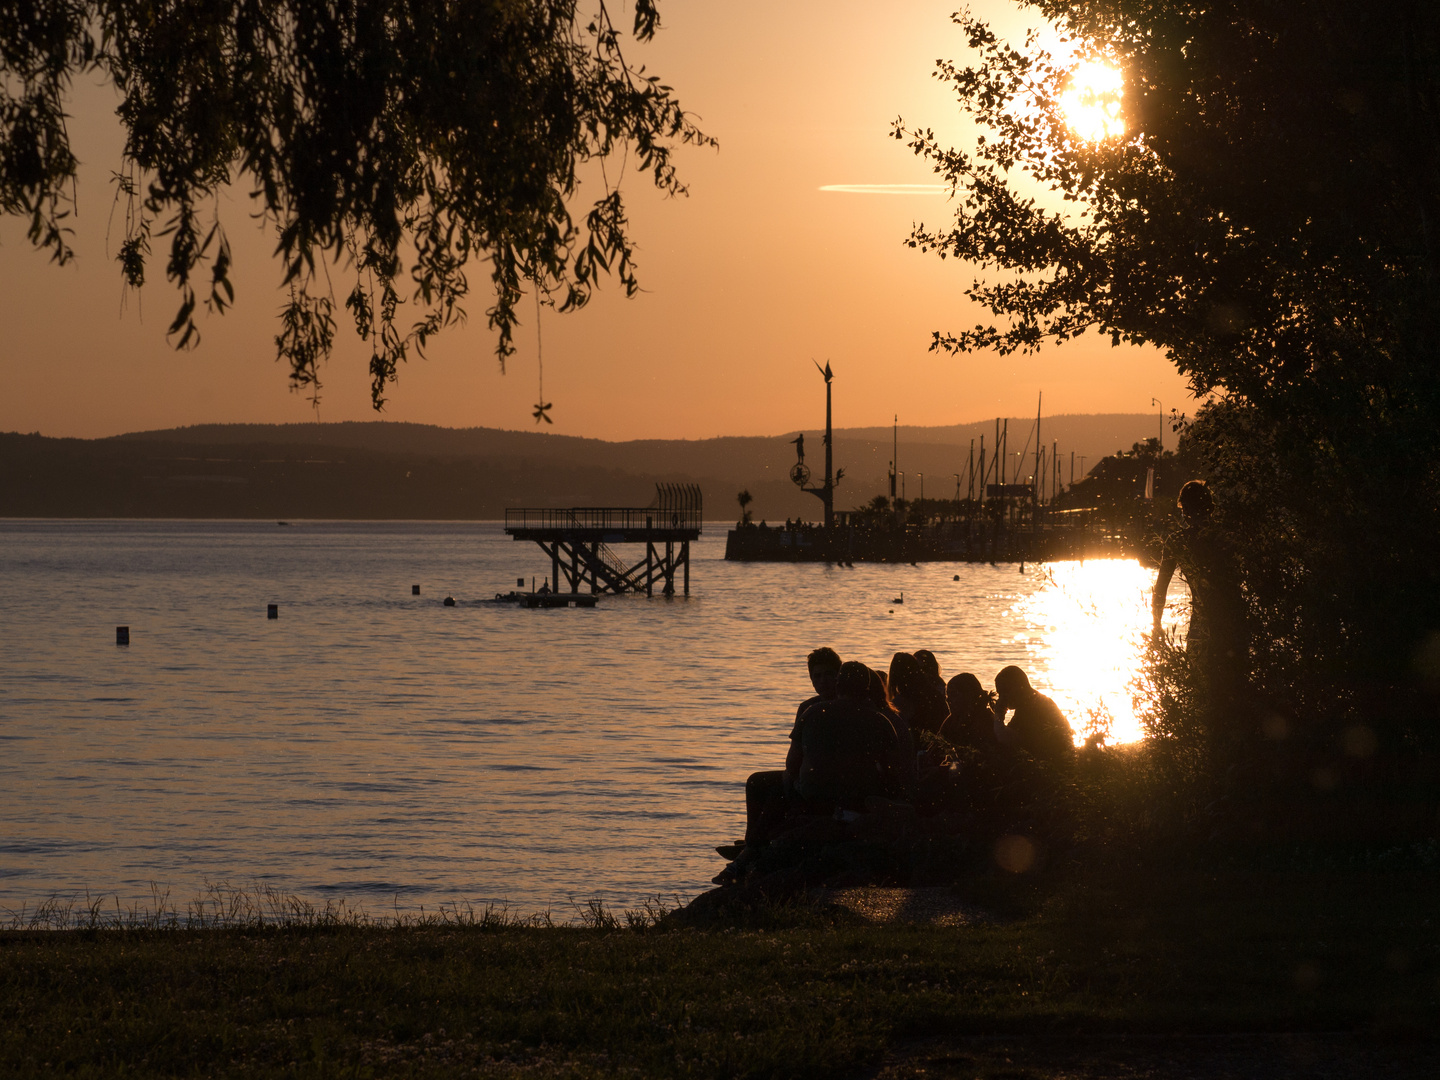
(853, 681)
(1012, 684)
(962, 692)
(928, 664)
(905, 676)
(824, 664)
(1195, 500)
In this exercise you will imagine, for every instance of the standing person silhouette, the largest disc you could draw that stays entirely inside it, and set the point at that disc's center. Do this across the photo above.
(1218, 642)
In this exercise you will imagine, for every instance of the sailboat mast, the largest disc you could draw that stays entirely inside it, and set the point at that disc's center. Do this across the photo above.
(1035, 491)
(983, 475)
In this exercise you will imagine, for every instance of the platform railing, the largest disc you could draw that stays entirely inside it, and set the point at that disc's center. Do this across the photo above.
(602, 519)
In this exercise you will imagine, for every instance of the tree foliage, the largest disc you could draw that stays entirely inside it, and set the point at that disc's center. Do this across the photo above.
(1269, 219)
(379, 137)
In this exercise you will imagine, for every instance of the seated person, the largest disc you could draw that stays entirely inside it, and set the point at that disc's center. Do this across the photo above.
(930, 669)
(824, 667)
(1038, 726)
(765, 792)
(902, 769)
(880, 696)
(841, 750)
(913, 695)
(972, 716)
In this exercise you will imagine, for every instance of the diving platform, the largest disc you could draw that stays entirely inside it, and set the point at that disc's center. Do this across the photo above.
(578, 540)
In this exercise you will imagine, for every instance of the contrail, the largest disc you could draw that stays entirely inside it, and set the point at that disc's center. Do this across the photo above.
(887, 189)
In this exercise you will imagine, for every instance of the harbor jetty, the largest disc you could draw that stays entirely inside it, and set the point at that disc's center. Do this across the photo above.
(970, 538)
(1000, 518)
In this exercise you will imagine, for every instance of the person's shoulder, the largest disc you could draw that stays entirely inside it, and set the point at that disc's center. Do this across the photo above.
(1048, 706)
(820, 707)
(820, 719)
(806, 706)
(870, 714)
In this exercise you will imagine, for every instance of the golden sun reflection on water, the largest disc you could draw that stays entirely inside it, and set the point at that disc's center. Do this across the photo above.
(1085, 636)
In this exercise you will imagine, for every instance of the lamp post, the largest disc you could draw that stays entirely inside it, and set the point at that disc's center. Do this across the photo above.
(1159, 421)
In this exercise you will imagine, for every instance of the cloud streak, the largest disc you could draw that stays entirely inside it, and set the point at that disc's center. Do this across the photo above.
(887, 189)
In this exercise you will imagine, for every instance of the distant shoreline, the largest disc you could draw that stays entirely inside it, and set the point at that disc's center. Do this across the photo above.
(411, 472)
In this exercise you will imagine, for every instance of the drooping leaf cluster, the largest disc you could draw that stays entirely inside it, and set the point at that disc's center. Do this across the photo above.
(1269, 219)
(380, 138)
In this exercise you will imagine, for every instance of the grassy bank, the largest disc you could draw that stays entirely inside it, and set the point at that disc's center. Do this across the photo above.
(1064, 967)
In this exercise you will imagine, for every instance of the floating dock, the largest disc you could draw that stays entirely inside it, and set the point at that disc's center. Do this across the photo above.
(547, 599)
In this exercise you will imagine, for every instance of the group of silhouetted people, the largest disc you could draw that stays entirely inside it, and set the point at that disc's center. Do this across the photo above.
(868, 734)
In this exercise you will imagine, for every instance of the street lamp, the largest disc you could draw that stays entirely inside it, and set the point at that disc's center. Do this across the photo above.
(1160, 421)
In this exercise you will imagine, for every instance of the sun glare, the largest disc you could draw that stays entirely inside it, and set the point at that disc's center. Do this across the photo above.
(1091, 101)
(1089, 623)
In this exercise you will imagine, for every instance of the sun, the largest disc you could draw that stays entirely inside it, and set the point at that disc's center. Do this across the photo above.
(1091, 101)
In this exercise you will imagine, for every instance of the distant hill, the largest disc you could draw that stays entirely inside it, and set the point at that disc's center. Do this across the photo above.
(382, 470)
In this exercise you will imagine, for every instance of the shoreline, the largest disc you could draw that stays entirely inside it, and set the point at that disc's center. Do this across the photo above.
(1103, 970)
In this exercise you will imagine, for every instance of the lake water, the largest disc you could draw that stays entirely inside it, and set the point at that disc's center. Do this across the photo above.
(379, 747)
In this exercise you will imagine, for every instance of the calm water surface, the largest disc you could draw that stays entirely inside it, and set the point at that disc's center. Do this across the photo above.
(377, 746)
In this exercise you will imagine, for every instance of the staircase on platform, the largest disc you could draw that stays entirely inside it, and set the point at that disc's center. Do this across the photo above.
(578, 541)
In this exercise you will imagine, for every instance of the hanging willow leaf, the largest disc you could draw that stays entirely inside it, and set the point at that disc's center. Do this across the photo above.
(382, 138)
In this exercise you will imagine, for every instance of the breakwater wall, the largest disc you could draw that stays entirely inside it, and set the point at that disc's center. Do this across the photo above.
(940, 543)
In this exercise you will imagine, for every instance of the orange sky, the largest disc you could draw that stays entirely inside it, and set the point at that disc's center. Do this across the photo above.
(754, 274)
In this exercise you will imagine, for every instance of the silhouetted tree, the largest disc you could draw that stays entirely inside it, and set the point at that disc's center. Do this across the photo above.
(389, 137)
(745, 499)
(1269, 220)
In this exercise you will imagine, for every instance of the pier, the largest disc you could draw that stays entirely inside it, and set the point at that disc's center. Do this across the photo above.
(1002, 518)
(578, 542)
